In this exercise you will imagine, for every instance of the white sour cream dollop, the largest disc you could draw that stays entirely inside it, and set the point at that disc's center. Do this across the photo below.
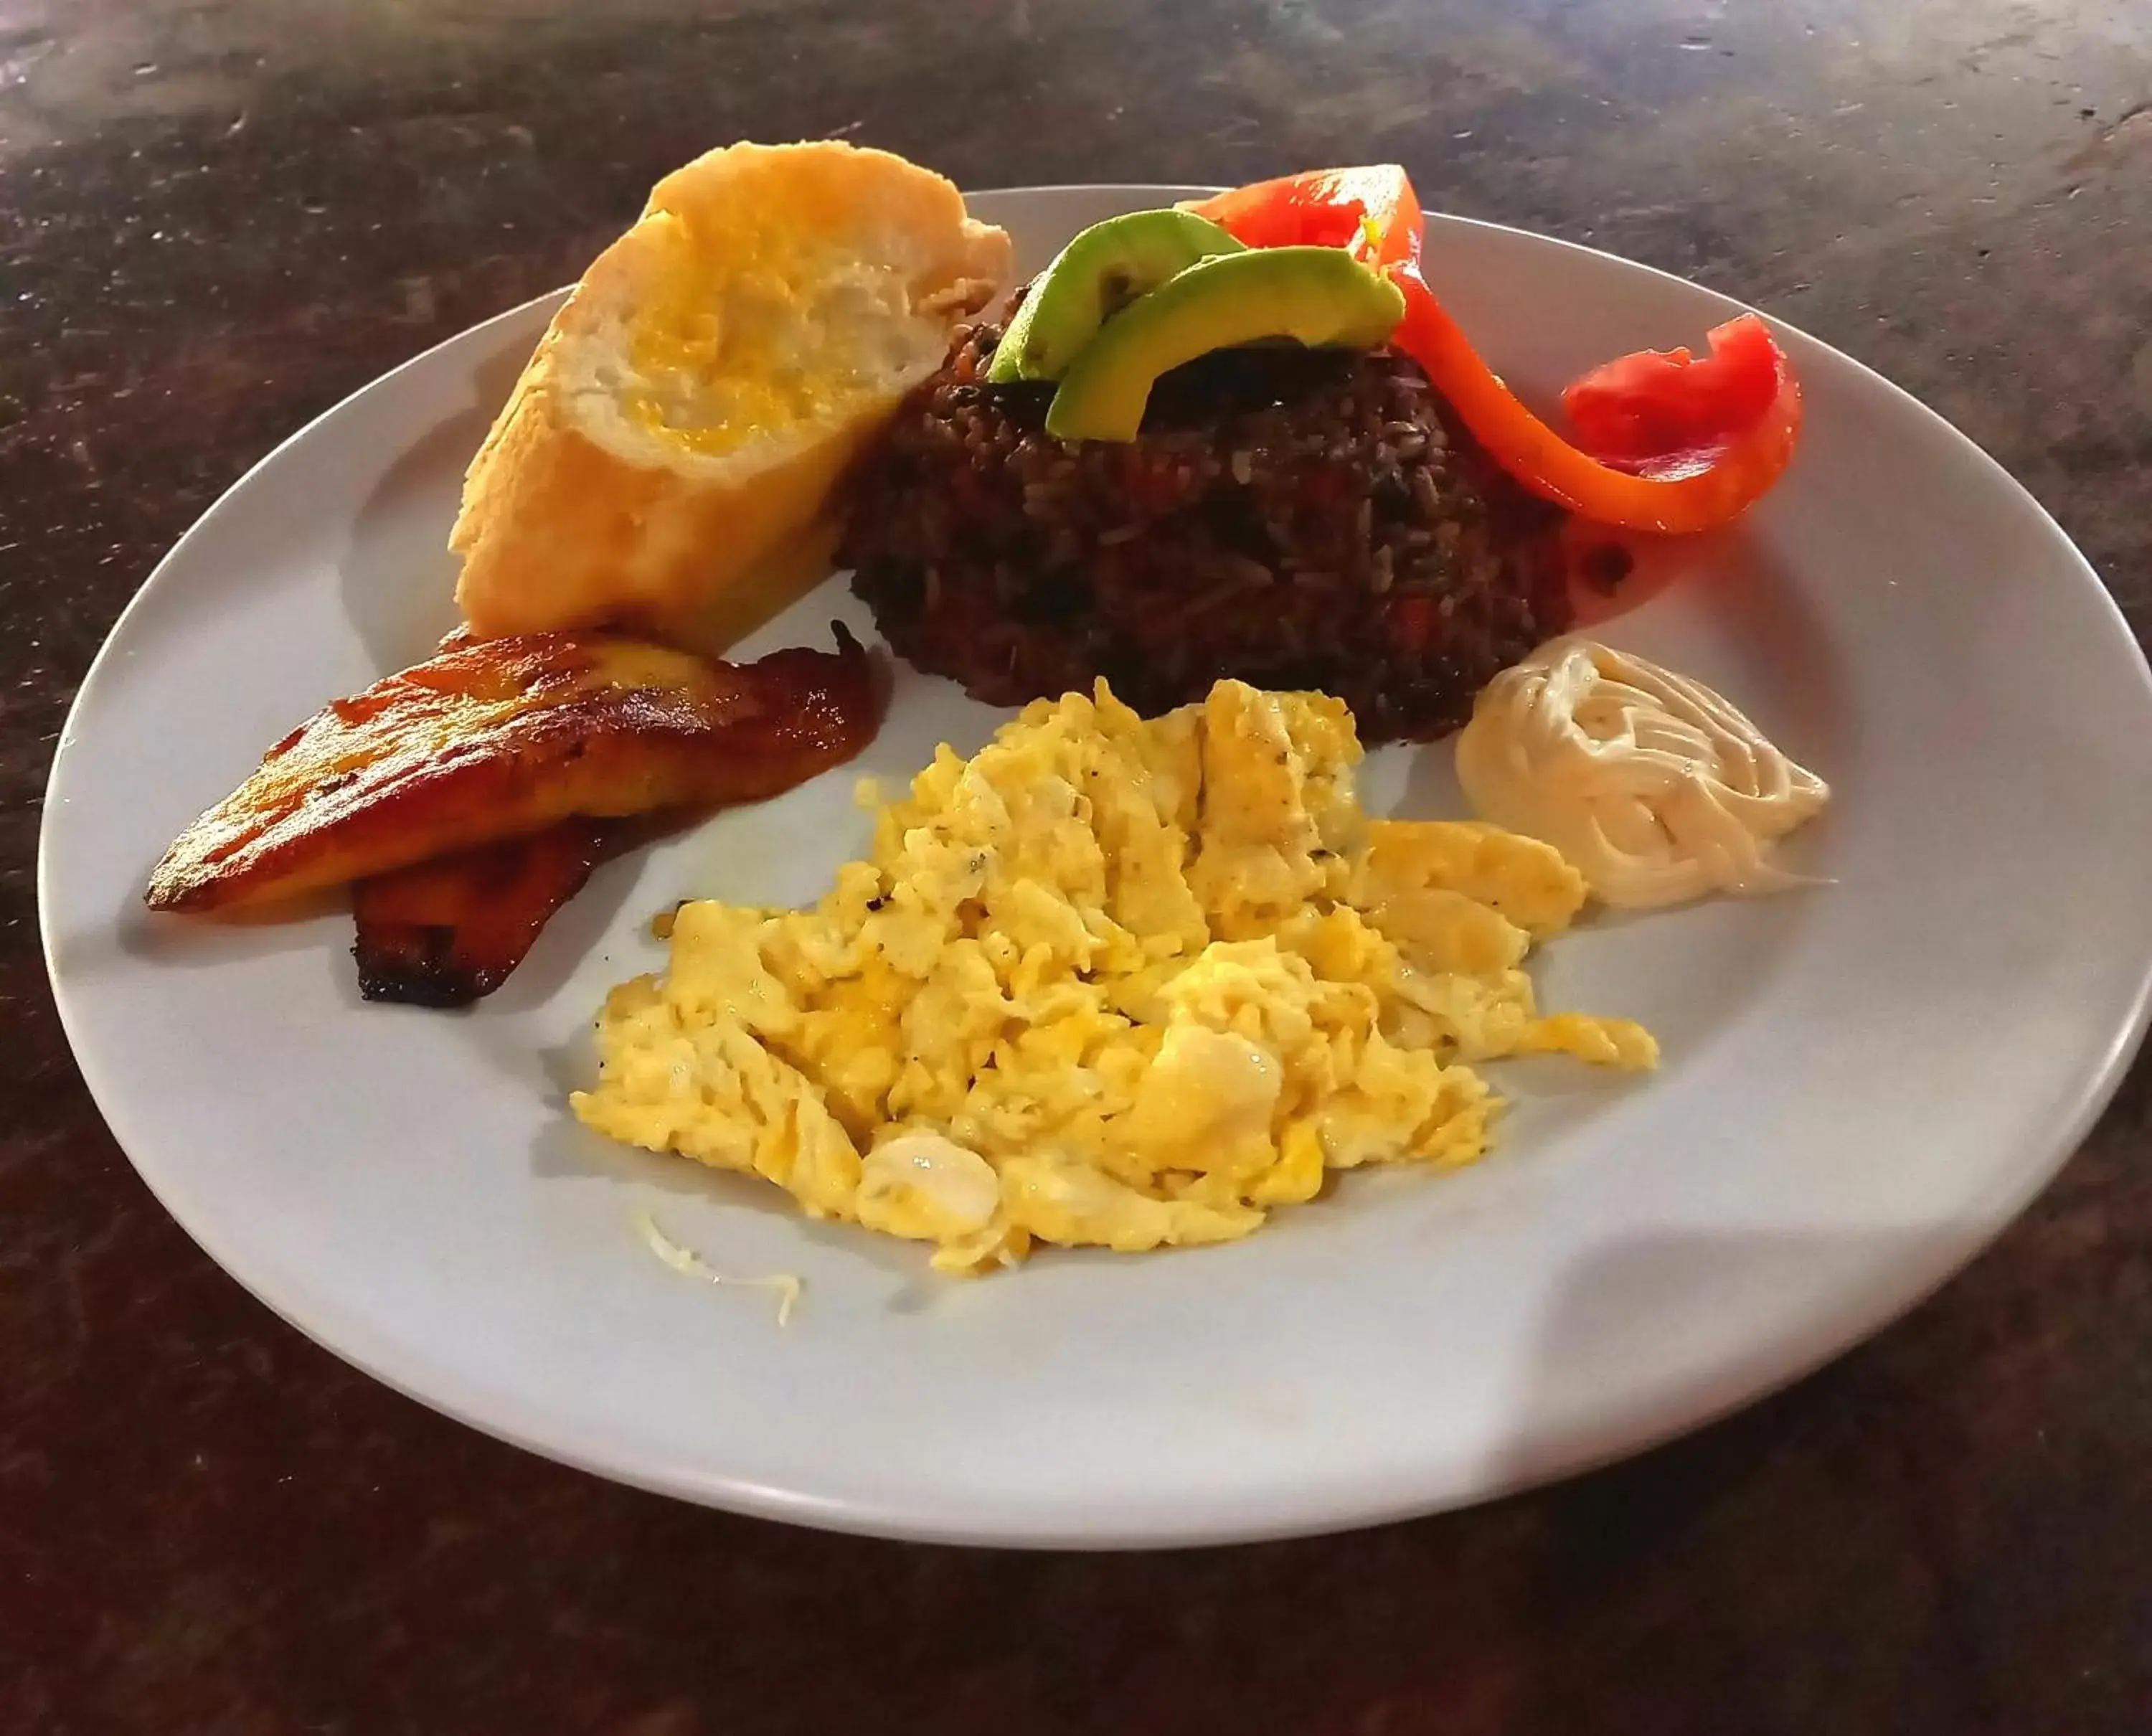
(1652, 785)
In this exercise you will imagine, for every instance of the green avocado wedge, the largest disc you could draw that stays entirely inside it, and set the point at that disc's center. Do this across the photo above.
(1314, 296)
(1105, 268)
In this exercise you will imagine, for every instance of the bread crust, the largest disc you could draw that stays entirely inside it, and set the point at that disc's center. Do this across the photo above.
(562, 529)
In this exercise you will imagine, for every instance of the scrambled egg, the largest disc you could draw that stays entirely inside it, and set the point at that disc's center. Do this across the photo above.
(1108, 981)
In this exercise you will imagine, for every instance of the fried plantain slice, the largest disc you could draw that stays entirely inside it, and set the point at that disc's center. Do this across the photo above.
(502, 739)
(446, 932)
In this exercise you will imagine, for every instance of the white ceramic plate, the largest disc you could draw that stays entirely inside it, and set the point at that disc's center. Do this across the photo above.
(1863, 1083)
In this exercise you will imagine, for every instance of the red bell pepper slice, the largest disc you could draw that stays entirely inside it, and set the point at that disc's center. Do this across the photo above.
(1669, 443)
(1688, 488)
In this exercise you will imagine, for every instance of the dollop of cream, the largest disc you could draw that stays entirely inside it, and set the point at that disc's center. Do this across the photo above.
(1656, 787)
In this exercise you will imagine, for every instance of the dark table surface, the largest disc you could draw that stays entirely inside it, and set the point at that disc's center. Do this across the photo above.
(217, 218)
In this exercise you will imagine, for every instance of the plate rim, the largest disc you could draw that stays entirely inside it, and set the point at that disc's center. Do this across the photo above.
(1883, 1305)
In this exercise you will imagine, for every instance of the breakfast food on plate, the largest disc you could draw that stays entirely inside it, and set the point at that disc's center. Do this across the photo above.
(443, 933)
(503, 739)
(1245, 439)
(1110, 981)
(1654, 786)
(1141, 969)
(1663, 440)
(1296, 517)
(1318, 298)
(469, 796)
(1106, 268)
(668, 454)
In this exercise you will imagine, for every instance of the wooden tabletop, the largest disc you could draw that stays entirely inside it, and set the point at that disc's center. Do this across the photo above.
(217, 217)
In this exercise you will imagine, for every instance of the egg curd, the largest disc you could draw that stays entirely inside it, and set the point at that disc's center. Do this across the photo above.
(1108, 981)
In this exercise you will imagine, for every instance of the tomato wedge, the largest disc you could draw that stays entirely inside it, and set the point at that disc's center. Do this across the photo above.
(1640, 410)
(1371, 211)
(1666, 441)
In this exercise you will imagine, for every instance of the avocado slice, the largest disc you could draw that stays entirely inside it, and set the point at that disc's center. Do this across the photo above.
(1312, 295)
(1106, 267)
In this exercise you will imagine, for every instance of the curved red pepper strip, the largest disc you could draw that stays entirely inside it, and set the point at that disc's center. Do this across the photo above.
(1672, 493)
(1736, 416)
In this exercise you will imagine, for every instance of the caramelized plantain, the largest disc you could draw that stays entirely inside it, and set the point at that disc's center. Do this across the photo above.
(445, 932)
(504, 738)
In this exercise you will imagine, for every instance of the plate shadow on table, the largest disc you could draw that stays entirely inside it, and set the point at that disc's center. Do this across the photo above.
(396, 576)
(1453, 1617)
(1666, 1296)
(1443, 1598)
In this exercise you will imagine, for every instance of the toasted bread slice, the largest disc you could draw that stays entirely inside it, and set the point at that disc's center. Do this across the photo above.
(666, 461)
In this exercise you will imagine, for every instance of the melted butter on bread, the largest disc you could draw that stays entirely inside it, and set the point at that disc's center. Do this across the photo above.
(668, 457)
